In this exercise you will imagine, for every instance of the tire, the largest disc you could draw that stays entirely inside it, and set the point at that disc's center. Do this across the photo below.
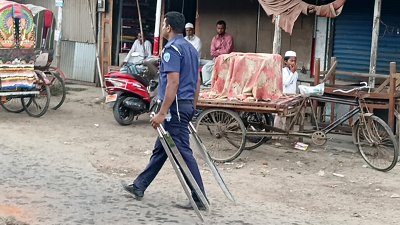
(377, 143)
(255, 142)
(57, 90)
(122, 115)
(37, 105)
(13, 105)
(223, 133)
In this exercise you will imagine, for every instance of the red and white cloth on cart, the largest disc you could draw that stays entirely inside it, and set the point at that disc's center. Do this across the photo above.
(246, 77)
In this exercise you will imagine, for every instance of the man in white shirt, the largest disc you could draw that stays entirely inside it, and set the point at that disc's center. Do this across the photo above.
(192, 38)
(289, 73)
(289, 81)
(138, 47)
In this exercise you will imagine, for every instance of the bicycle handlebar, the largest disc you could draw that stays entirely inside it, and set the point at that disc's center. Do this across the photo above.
(354, 89)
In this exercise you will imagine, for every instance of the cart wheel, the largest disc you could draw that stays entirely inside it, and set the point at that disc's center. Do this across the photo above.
(13, 105)
(221, 131)
(376, 143)
(36, 106)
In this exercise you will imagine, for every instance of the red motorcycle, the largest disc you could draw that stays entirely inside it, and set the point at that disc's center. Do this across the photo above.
(132, 89)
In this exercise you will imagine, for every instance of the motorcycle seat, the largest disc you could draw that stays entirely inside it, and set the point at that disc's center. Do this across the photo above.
(141, 79)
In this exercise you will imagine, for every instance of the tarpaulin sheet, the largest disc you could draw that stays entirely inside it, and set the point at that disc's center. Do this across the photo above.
(247, 77)
(289, 10)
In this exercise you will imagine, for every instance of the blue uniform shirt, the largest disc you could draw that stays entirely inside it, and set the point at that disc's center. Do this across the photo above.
(179, 56)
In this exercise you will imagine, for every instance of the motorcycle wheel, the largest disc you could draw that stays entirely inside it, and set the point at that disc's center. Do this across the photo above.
(122, 115)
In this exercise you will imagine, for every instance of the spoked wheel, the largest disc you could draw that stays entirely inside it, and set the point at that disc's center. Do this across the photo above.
(377, 143)
(256, 122)
(122, 115)
(57, 90)
(13, 105)
(223, 133)
(36, 106)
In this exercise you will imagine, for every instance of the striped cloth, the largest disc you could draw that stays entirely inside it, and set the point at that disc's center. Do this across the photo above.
(17, 80)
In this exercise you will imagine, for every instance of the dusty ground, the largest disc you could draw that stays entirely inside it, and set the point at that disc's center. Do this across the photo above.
(66, 168)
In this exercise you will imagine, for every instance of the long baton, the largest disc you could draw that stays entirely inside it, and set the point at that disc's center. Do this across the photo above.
(183, 166)
(168, 146)
(206, 156)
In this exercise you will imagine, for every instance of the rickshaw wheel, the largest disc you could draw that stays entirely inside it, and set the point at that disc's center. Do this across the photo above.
(36, 106)
(223, 133)
(13, 105)
(57, 89)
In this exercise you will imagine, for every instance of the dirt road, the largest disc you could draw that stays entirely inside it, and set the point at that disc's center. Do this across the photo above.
(66, 168)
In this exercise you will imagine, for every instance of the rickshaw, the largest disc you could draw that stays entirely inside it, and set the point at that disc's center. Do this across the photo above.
(26, 53)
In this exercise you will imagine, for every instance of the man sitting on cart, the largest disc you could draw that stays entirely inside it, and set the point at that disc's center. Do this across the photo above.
(289, 82)
(289, 73)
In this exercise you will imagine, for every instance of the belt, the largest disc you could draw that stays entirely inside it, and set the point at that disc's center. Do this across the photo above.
(184, 101)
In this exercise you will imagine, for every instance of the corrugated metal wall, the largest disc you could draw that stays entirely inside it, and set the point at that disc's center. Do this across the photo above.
(77, 21)
(78, 47)
(353, 34)
(76, 24)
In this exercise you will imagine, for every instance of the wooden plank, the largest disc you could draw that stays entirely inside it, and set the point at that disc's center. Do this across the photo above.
(392, 90)
(332, 82)
(316, 82)
(382, 86)
(361, 75)
(317, 71)
(276, 106)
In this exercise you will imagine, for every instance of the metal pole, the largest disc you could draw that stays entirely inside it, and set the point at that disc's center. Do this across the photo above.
(157, 29)
(99, 32)
(141, 27)
(58, 31)
(276, 49)
(97, 52)
(258, 27)
(375, 39)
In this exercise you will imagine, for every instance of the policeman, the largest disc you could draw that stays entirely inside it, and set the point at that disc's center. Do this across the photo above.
(179, 87)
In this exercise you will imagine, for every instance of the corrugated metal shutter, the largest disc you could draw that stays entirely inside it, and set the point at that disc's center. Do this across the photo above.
(84, 62)
(352, 38)
(67, 58)
(389, 37)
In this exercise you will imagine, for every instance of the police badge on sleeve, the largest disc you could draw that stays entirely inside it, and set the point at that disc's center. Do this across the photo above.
(166, 56)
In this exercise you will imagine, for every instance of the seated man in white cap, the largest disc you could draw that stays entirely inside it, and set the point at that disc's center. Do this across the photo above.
(289, 73)
(192, 38)
(289, 81)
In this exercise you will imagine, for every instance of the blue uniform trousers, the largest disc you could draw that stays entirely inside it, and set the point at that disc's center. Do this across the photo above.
(179, 131)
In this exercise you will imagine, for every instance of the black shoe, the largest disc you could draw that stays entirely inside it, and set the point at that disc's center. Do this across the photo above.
(189, 206)
(134, 191)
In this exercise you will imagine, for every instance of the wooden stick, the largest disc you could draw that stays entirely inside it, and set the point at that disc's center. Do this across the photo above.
(141, 28)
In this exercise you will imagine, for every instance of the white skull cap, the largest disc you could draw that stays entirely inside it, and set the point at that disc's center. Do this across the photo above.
(189, 25)
(290, 54)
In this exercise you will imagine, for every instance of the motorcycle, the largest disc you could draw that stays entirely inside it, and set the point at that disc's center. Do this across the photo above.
(132, 89)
